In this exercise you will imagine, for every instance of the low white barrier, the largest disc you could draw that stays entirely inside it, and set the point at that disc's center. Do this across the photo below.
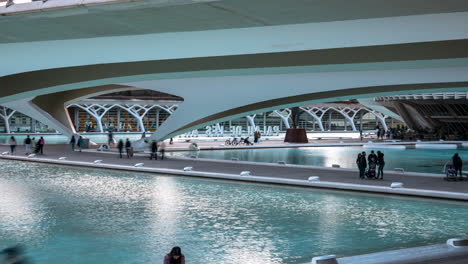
(436, 146)
(383, 146)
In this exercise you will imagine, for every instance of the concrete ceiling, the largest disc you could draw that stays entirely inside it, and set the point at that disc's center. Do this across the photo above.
(149, 16)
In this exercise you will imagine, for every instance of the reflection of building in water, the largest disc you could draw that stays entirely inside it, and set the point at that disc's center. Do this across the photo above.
(146, 110)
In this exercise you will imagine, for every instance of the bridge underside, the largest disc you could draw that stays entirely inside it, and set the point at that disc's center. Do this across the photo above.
(232, 72)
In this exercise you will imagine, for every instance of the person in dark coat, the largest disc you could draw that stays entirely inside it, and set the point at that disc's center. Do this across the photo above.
(120, 146)
(80, 143)
(73, 142)
(154, 150)
(362, 164)
(128, 148)
(457, 165)
(40, 145)
(371, 156)
(380, 164)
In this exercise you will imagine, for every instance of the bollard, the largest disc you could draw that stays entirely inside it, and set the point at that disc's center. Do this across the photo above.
(336, 166)
(139, 165)
(329, 259)
(62, 158)
(396, 185)
(245, 173)
(458, 242)
(314, 178)
(188, 168)
(97, 161)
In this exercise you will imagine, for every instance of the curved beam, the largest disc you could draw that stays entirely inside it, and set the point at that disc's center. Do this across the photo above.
(270, 94)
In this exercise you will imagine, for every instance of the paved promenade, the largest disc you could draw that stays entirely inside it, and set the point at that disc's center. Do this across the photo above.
(233, 167)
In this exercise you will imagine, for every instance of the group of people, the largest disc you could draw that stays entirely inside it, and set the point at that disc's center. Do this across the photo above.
(380, 133)
(257, 136)
(30, 145)
(368, 164)
(78, 142)
(155, 148)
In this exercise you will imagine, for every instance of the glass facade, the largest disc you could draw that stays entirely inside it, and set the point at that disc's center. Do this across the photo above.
(120, 120)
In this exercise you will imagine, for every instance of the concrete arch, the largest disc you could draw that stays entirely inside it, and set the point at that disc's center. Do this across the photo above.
(219, 112)
(293, 64)
(50, 109)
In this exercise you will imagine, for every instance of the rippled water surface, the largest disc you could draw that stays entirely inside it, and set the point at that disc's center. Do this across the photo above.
(72, 215)
(416, 160)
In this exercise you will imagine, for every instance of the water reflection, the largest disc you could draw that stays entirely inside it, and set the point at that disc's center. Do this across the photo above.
(416, 160)
(21, 213)
(120, 217)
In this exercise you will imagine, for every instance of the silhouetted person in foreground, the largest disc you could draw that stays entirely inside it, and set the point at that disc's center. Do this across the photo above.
(174, 257)
(14, 255)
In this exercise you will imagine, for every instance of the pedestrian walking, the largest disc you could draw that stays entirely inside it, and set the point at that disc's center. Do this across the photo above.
(40, 145)
(80, 143)
(171, 141)
(380, 164)
(12, 143)
(34, 145)
(154, 150)
(120, 146)
(110, 139)
(457, 165)
(27, 145)
(128, 148)
(360, 134)
(73, 142)
(162, 148)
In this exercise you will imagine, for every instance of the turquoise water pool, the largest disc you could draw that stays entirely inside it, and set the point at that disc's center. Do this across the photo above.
(80, 215)
(416, 160)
